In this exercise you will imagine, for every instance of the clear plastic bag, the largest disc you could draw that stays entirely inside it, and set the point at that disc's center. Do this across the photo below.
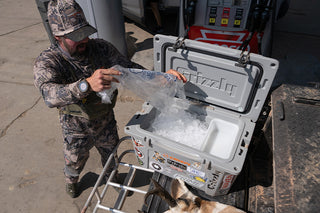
(107, 95)
(155, 87)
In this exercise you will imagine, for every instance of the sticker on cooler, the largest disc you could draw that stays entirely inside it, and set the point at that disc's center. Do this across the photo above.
(139, 153)
(196, 165)
(137, 142)
(176, 164)
(155, 166)
(140, 161)
(230, 39)
(189, 180)
(212, 184)
(200, 179)
(157, 156)
(176, 168)
(227, 182)
(196, 172)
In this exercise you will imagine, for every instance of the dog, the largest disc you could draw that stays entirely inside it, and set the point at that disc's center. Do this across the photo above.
(182, 200)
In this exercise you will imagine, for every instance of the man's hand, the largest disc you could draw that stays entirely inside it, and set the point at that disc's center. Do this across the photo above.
(177, 74)
(101, 79)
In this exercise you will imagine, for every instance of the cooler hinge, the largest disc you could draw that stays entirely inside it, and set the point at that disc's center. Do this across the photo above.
(243, 60)
(179, 43)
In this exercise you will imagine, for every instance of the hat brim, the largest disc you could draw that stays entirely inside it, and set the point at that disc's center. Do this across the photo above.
(81, 33)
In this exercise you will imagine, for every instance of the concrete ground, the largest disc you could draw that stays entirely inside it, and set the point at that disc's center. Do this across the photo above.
(31, 160)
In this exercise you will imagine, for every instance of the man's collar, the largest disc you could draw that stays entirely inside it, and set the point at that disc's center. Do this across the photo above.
(64, 52)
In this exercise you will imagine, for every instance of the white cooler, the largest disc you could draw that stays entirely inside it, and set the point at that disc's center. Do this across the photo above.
(227, 96)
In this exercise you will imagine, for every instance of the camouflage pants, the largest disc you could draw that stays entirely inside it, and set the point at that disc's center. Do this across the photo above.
(81, 135)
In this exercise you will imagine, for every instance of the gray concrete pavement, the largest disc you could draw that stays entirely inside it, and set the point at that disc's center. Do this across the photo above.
(31, 161)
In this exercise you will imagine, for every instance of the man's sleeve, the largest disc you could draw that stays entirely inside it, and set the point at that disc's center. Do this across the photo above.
(48, 79)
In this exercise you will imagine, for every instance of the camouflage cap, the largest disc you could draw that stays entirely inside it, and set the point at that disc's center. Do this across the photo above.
(66, 18)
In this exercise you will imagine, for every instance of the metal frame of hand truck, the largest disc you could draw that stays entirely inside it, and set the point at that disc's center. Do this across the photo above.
(125, 187)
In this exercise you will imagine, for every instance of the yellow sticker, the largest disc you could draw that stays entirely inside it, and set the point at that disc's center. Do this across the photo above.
(224, 21)
(237, 22)
(200, 179)
(212, 20)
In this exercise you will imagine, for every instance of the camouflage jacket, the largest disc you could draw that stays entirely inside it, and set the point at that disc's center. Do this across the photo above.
(58, 85)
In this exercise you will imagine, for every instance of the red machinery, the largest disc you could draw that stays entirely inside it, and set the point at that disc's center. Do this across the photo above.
(238, 24)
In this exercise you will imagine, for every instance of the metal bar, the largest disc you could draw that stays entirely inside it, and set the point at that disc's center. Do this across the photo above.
(128, 182)
(110, 209)
(136, 167)
(96, 207)
(128, 188)
(181, 19)
(84, 209)
(99, 198)
(94, 190)
(124, 188)
(107, 183)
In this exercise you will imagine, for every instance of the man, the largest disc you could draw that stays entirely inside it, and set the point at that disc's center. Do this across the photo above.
(68, 76)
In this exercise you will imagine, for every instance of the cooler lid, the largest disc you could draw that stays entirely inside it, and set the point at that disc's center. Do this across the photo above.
(214, 77)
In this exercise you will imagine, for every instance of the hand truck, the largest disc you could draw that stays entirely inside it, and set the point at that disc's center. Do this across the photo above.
(125, 187)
